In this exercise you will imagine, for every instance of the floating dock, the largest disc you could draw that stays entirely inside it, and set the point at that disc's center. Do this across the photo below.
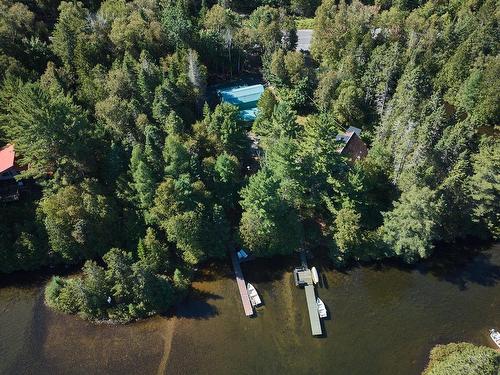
(242, 285)
(303, 277)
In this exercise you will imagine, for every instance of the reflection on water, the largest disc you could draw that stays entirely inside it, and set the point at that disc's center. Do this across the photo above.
(383, 320)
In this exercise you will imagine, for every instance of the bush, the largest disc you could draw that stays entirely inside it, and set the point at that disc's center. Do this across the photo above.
(463, 359)
(64, 295)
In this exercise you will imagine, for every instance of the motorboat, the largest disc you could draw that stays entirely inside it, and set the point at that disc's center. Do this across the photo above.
(315, 276)
(495, 336)
(321, 308)
(254, 296)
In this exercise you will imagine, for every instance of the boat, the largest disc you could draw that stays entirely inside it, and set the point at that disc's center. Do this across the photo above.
(242, 255)
(321, 308)
(254, 296)
(495, 336)
(315, 276)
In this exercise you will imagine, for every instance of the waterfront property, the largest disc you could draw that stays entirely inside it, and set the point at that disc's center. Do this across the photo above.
(244, 97)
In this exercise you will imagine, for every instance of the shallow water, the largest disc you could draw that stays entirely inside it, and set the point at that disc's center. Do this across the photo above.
(382, 320)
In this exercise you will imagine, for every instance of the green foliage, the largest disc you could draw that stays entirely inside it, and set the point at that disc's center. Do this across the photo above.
(300, 22)
(270, 28)
(281, 123)
(121, 292)
(50, 132)
(485, 185)
(462, 359)
(143, 178)
(184, 211)
(176, 23)
(153, 252)
(269, 225)
(223, 123)
(23, 238)
(104, 102)
(292, 75)
(347, 232)
(79, 221)
(266, 104)
(411, 226)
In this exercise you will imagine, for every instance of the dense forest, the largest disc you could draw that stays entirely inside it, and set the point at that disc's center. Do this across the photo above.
(135, 176)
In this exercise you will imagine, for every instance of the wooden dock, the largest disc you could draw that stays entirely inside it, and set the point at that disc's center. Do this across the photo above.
(312, 306)
(242, 285)
(303, 277)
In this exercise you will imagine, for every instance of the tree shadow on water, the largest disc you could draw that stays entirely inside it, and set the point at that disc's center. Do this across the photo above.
(465, 268)
(460, 264)
(264, 270)
(196, 306)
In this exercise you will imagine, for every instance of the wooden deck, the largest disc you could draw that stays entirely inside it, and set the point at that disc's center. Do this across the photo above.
(242, 285)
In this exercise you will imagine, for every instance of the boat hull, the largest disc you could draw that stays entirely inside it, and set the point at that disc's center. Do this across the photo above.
(253, 295)
(321, 308)
(315, 276)
(495, 336)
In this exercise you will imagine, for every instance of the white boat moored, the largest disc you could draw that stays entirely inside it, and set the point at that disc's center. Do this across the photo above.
(254, 296)
(321, 308)
(495, 336)
(315, 276)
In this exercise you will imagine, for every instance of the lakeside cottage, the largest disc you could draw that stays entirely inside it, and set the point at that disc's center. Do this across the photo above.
(353, 147)
(9, 186)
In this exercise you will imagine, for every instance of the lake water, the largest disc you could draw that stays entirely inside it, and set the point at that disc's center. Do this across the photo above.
(383, 320)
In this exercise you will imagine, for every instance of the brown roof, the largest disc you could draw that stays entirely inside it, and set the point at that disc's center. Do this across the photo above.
(355, 148)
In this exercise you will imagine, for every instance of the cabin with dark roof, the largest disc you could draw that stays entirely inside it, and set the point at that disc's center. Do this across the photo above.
(9, 186)
(352, 145)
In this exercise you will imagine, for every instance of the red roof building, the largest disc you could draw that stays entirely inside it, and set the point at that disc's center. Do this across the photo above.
(7, 158)
(9, 186)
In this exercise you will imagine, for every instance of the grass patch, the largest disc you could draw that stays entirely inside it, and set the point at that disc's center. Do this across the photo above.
(304, 23)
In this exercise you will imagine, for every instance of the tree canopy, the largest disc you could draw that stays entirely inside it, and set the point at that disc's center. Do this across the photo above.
(130, 166)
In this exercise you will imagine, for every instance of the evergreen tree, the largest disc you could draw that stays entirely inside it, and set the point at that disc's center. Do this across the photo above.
(485, 186)
(51, 133)
(411, 227)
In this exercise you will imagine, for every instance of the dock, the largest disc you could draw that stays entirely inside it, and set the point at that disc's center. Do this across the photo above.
(312, 306)
(242, 285)
(303, 277)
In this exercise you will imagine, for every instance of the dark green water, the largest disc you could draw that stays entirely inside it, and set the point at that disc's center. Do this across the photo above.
(384, 320)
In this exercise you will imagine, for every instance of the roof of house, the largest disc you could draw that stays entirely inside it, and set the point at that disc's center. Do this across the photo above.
(244, 97)
(345, 137)
(241, 94)
(352, 143)
(7, 157)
